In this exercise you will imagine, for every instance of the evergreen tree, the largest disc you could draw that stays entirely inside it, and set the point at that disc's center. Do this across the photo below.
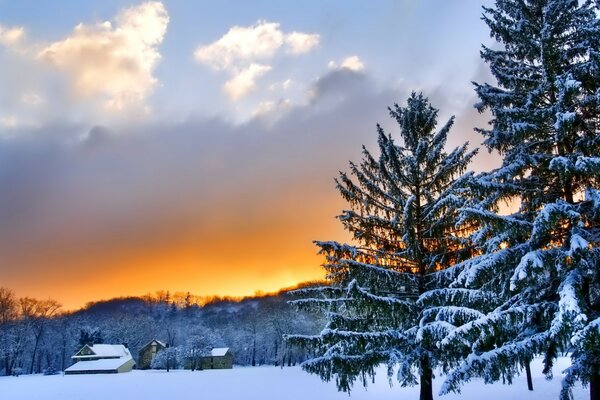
(89, 336)
(402, 216)
(541, 262)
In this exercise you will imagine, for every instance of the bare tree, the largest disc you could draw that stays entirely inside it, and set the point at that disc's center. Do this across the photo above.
(36, 314)
(8, 306)
(8, 315)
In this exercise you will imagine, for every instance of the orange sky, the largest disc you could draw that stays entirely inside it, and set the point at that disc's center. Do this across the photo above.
(224, 254)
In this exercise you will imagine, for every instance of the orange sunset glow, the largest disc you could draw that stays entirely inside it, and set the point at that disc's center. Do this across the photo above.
(263, 248)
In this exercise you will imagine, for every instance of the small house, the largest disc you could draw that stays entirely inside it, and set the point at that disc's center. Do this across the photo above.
(101, 359)
(219, 358)
(148, 352)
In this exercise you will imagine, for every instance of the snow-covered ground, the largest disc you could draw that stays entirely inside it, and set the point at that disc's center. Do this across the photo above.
(264, 383)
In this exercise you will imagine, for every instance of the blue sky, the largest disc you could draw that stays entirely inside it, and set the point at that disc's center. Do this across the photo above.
(421, 44)
(195, 137)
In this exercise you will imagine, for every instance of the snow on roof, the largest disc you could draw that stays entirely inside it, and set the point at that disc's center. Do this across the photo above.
(106, 364)
(106, 350)
(219, 351)
(154, 340)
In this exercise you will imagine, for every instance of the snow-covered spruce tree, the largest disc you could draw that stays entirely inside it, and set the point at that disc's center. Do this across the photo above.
(402, 217)
(542, 262)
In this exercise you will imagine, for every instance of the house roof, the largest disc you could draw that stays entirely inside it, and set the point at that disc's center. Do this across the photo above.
(152, 341)
(106, 364)
(219, 351)
(104, 350)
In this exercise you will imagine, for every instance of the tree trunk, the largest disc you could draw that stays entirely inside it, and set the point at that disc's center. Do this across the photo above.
(37, 341)
(13, 364)
(39, 361)
(63, 358)
(595, 387)
(528, 373)
(426, 381)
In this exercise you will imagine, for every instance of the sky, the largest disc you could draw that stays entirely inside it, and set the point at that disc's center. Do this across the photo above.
(192, 146)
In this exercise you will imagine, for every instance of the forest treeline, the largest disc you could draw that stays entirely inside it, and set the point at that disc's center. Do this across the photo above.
(37, 336)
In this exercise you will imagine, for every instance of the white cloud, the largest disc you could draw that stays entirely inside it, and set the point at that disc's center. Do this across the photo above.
(259, 41)
(244, 81)
(287, 83)
(271, 108)
(264, 107)
(299, 43)
(353, 63)
(11, 36)
(243, 52)
(115, 62)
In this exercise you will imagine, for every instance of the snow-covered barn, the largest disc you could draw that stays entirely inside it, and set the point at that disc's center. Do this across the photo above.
(101, 359)
(220, 358)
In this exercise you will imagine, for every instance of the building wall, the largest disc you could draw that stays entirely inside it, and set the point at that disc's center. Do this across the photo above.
(93, 371)
(84, 351)
(147, 354)
(127, 367)
(145, 358)
(222, 362)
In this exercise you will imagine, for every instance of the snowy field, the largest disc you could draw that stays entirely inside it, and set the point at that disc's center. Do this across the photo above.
(264, 383)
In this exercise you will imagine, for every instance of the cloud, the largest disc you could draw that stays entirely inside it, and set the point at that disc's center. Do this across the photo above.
(270, 108)
(32, 99)
(282, 85)
(114, 61)
(351, 63)
(244, 81)
(287, 84)
(95, 137)
(11, 36)
(242, 44)
(244, 51)
(264, 107)
(299, 43)
(9, 121)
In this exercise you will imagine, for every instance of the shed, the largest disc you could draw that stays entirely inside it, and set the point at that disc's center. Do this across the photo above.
(219, 358)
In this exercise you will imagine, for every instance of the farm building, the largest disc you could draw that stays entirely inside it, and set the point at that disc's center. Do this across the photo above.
(148, 352)
(220, 358)
(101, 359)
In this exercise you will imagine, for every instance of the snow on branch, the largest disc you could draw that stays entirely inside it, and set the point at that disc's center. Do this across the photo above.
(456, 297)
(570, 315)
(501, 363)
